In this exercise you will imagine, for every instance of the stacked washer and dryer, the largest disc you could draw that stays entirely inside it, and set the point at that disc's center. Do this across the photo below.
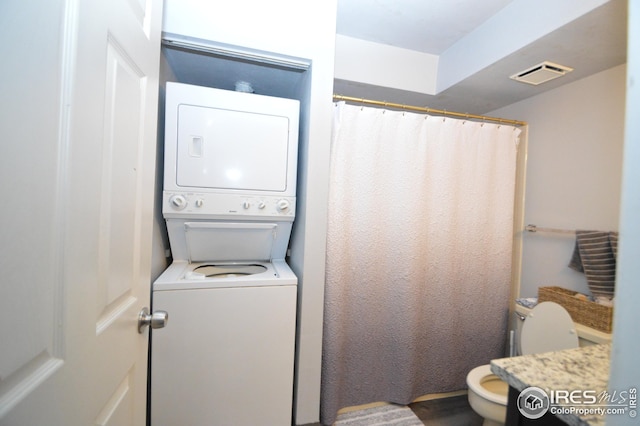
(226, 357)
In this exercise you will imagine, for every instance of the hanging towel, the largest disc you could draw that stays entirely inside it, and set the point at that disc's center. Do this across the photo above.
(613, 239)
(594, 254)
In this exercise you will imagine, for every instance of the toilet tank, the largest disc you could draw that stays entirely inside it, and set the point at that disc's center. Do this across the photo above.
(587, 336)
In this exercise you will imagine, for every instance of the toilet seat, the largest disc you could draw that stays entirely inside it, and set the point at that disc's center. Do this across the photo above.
(482, 374)
(547, 328)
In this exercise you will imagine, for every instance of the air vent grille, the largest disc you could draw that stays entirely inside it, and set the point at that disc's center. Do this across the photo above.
(541, 73)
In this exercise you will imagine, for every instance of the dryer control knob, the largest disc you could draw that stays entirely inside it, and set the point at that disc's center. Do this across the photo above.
(283, 205)
(178, 202)
(199, 202)
(246, 205)
(262, 205)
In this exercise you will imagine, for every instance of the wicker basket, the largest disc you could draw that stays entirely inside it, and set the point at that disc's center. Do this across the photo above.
(584, 312)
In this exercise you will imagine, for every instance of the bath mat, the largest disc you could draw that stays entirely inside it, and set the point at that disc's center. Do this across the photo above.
(396, 415)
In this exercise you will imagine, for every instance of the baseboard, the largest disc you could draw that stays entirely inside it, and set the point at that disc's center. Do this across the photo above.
(428, 397)
(431, 396)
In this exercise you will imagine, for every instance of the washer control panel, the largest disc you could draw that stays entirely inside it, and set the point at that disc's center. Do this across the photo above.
(210, 205)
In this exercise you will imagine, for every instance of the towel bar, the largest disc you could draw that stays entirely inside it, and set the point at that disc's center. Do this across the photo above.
(534, 228)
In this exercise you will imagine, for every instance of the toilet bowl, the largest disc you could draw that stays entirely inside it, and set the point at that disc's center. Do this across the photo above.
(548, 327)
(487, 395)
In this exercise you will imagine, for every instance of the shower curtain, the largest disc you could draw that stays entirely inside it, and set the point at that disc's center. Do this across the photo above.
(419, 247)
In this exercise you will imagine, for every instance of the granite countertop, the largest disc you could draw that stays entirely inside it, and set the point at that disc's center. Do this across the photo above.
(585, 368)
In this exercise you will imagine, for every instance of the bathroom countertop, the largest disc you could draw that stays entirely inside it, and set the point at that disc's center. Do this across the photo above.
(585, 368)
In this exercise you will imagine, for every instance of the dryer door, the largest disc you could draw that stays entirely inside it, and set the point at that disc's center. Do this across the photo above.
(227, 149)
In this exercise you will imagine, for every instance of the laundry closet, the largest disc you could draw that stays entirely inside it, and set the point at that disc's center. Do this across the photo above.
(229, 191)
(233, 299)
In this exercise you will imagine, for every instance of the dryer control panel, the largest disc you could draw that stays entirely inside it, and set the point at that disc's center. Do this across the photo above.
(205, 205)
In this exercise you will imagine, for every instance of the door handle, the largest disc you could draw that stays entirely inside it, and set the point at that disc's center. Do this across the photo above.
(158, 319)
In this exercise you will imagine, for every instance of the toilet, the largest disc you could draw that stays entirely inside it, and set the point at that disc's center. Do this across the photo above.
(548, 327)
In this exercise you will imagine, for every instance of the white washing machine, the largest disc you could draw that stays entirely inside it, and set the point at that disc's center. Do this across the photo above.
(226, 355)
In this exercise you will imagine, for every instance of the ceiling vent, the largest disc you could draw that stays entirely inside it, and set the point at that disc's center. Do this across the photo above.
(541, 73)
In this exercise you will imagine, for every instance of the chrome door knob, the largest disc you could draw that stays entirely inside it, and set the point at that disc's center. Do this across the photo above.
(158, 319)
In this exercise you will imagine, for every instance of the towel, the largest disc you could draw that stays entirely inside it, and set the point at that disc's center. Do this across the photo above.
(527, 302)
(613, 239)
(595, 255)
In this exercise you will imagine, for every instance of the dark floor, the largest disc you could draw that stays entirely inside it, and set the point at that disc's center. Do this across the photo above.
(452, 411)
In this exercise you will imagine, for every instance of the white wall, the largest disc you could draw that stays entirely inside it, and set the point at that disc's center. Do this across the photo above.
(160, 256)
(573, 172)
(302, 30)
(385, 66)
(626, 345)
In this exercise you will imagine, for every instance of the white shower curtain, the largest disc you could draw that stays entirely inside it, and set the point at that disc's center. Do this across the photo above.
(418, 254)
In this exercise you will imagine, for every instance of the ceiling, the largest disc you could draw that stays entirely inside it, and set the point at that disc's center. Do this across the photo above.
(594, 42)
(429, 26)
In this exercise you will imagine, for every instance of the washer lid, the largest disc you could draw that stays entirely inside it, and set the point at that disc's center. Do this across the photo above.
(547, 328)
(229, 241)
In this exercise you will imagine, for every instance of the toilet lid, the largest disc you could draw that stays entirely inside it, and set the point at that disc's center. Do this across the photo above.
(547, 328)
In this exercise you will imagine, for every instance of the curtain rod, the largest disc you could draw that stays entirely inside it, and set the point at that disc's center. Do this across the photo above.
(428, 110)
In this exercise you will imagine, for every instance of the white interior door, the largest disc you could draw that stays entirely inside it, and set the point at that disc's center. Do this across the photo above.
(78, 104)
